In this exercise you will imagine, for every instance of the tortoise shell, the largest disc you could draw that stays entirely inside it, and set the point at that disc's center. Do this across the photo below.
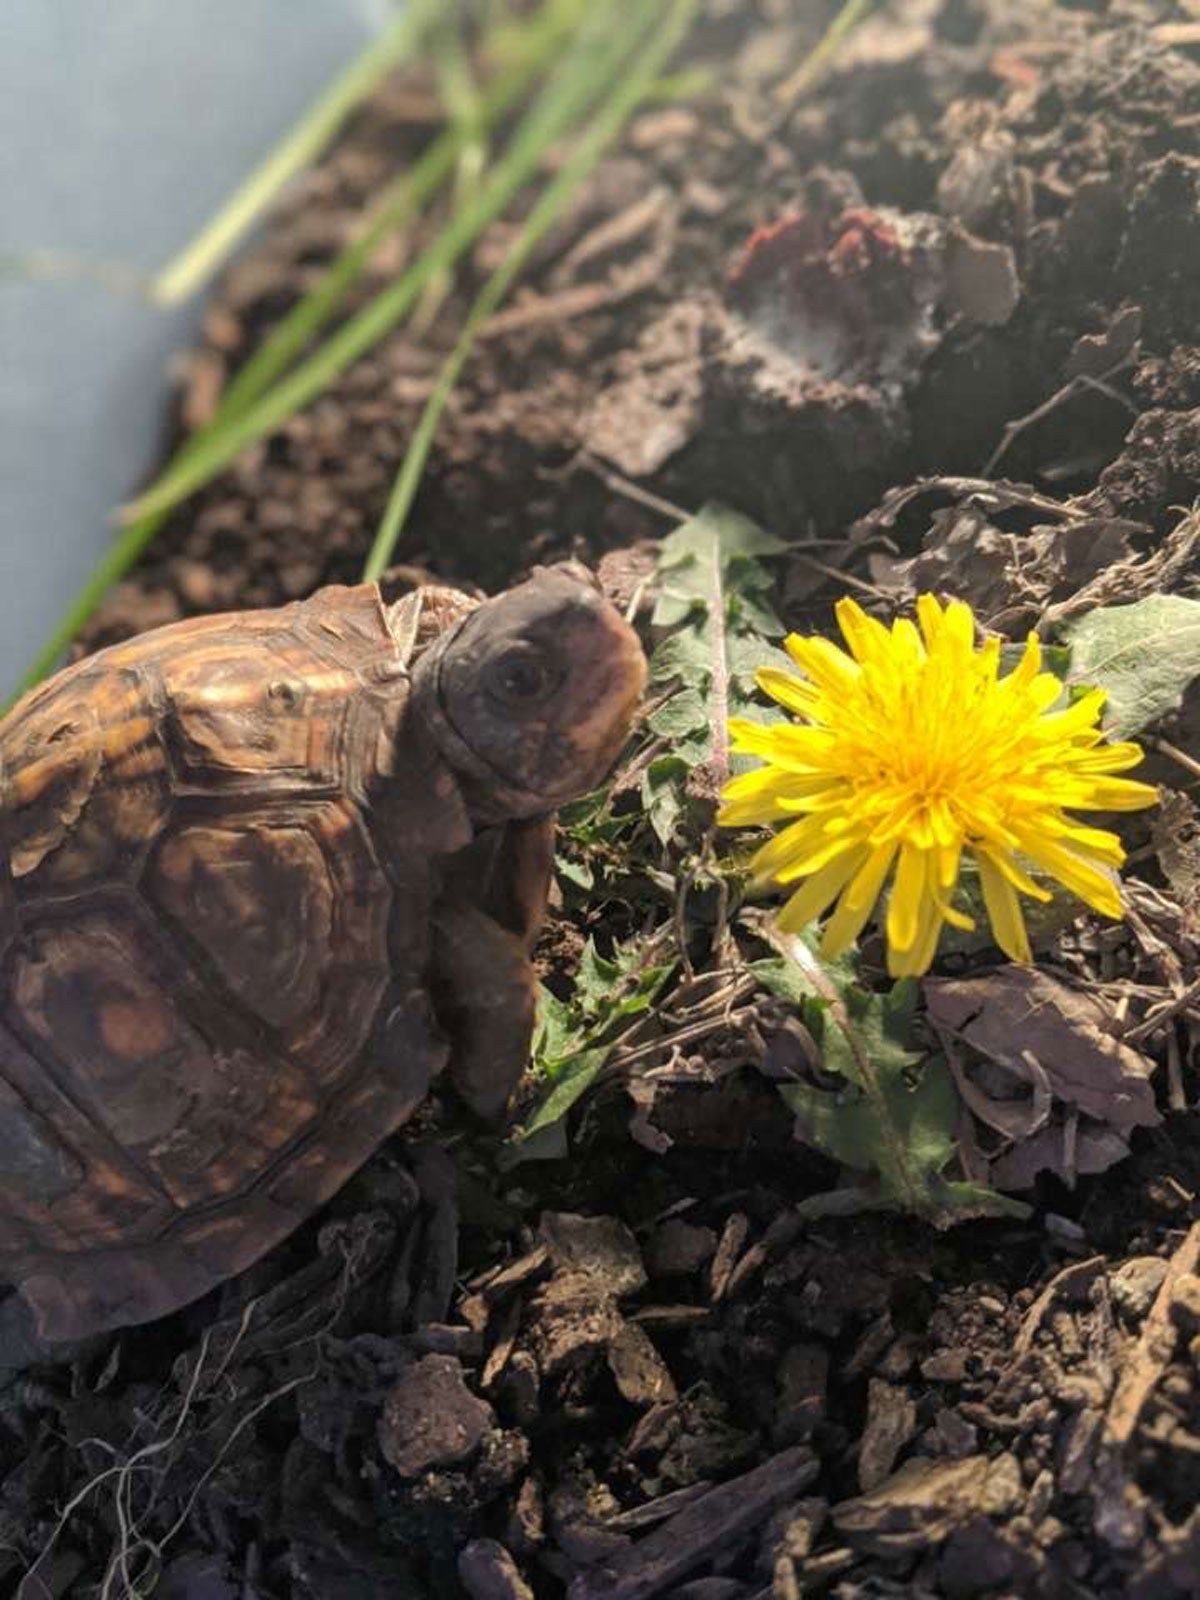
(263, 878)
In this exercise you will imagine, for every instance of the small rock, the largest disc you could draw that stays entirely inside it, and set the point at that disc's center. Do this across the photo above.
(1079, 1391)
(897, 1360)
(976, 1559)
(729, 1248)
(1003, 1488)
(447, 1339)
(534, 1264)
(871, 1347)
(579, 1514)
(603, 1247)
(431, 1419)
(945, 1366)
(488, 1572)
(793, 1531)
(916, 1507)
(952, 1435)
(527, 1524)
(679, 1247)
(1135, 1283)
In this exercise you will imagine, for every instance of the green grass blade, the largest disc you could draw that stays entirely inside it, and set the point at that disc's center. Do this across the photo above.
(567, 96)
(401, 201)
(189, 270)
(604, 129)
(526, 53)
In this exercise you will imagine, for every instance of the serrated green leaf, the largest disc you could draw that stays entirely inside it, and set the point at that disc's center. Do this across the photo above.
(1143, 655)
(594, 980)
(575, 1037)
(685, 553)
(962, 1200)
(662, 794)
(673, 609)
(684, 713)
(714, 595)
(750, 610)
(576, 1076)
(906, 1141)
(578, 873)
(894, 1115)
(684, 655)
(749, 652)
(556, 1035)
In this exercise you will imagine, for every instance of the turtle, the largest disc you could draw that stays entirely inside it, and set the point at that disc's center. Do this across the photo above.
(265, 875)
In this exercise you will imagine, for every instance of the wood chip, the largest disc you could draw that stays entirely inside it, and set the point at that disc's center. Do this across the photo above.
(717, 1520)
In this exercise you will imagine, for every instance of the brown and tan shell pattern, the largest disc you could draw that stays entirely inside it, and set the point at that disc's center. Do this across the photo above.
(209, 990)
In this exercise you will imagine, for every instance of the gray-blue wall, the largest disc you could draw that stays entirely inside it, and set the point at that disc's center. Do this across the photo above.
(123, 125)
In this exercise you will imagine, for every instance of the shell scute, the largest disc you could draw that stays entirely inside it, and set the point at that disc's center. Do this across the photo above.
(259, 900)
(148, 1058)
(85, 781)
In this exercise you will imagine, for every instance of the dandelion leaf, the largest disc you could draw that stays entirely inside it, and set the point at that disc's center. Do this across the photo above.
(575, 1037)
(1143, 655)
(893, 1116)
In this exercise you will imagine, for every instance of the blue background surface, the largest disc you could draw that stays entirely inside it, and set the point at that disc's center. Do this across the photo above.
(123, 126)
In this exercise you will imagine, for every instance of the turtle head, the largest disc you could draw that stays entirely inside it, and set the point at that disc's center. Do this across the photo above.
(530, 696)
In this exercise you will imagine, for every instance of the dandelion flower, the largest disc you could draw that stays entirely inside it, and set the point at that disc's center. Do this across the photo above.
(912, 752)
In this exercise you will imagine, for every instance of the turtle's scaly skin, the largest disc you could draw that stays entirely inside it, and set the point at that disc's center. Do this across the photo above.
(261, 883)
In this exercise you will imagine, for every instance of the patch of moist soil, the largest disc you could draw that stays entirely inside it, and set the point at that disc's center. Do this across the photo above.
(971, 254)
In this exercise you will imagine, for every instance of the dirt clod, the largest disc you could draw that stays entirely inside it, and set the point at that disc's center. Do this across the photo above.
(430, 1418)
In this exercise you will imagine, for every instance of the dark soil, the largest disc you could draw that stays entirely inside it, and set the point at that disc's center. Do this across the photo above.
(970, 256)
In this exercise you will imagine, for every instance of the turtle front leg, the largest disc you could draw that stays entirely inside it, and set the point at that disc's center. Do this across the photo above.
(484, 993)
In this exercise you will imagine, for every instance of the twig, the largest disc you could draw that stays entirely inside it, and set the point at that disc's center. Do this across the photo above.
(613, 480)
(1153, 1351)
(1180, 756)
(1014, 429)
(1158, 1017)
(839, 575)
(1073, 1277)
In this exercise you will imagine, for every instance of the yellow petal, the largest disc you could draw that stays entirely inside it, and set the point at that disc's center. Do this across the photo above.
(782, 743)
(912, 960)
(857, 901)
(808, 902)
(908, 895)
(789, 690)
(797, 851)
(867, 639)
(1030, 664)
(1094, 886)
(830, 669)
(1120, 794)
(1004, 910)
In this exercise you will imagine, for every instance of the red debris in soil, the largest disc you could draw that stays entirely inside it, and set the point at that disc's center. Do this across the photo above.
(849, 292)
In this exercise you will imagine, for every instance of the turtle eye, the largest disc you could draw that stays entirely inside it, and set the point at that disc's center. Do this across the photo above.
(521, 676)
